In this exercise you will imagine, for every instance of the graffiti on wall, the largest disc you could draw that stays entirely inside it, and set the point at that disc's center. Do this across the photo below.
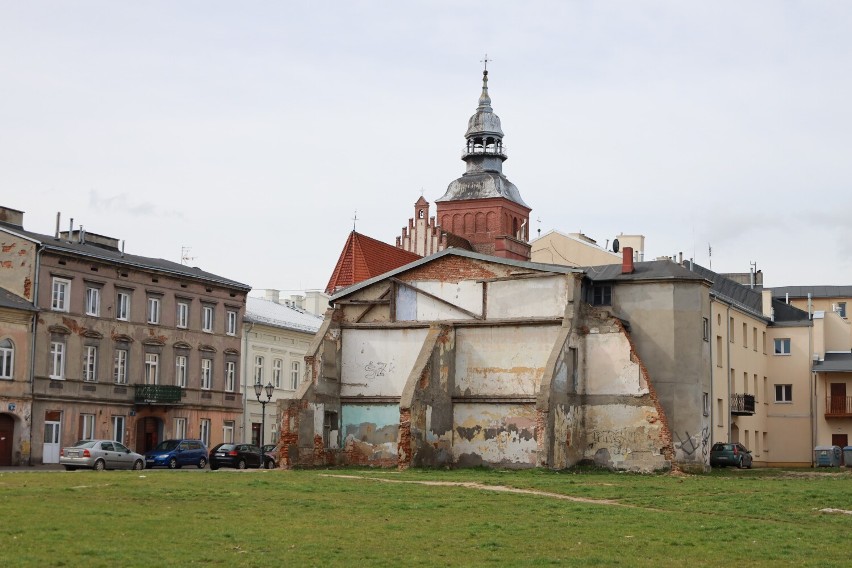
(620, 440)
(374, 369)
(691, 445)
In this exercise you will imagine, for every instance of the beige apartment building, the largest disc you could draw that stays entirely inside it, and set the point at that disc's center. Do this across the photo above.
(125, 347)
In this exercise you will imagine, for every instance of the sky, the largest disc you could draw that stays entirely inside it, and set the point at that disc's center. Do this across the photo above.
(250, 133)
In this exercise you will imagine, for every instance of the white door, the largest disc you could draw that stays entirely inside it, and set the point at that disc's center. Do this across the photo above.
(50, 452)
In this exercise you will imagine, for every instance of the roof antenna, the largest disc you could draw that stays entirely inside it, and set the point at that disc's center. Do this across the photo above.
(538, 220)
(354, 220)
(184, 255)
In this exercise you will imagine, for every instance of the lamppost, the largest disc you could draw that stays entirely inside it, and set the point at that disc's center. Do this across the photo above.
(258, 390)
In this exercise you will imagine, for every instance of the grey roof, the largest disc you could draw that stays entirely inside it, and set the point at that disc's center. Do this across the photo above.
(785, 313)
(267, 312)
(536, 266)
(481, 185)
(726, 289)
(10, 300)
(815, 291)
(651, 270)
(115, 256)
(834, 363)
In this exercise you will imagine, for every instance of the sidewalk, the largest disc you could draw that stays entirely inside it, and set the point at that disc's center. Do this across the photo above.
(32, 468)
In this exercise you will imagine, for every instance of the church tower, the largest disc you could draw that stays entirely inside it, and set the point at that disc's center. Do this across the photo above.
(483, 206)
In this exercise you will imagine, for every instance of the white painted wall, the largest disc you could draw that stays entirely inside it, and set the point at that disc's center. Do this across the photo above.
(527, 298)
(611, 371)
(466, 295)
(377, 362)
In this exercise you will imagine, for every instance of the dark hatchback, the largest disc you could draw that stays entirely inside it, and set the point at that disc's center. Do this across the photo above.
(722, 454)
(240, 456)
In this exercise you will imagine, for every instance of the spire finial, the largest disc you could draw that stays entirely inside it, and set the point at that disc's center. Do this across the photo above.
(484, 99)
(485, 62)
(354, 220)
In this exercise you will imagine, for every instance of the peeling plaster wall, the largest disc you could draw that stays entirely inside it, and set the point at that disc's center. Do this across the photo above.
(17, 265)
(494, 434)
(625, 437)
(611, 370)
(377, 362)
(528, 297)
(370, 433)
(465, 294)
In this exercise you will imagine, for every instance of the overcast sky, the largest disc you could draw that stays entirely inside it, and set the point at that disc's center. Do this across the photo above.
(252, 131)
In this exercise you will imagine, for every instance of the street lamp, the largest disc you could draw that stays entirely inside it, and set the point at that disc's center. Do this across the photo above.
(258, 390)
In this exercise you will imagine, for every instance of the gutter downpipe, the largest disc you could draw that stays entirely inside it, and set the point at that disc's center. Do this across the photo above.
(813, 388)
(712, 394)
(245, 379)
(33, 349)
(728, 367)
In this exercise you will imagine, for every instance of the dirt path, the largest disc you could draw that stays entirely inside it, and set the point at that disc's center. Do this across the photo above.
(481, 487)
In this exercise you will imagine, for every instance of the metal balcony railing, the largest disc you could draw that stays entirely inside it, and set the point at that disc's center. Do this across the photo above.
(487, 151)
(157, 394)
(742, 404)
(838, 406)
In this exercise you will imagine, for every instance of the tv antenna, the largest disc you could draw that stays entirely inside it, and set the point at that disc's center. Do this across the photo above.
(184, 255)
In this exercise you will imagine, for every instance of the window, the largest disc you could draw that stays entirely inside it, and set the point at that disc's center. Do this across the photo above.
(90, 364)
(205, 431)
(118, 428)
(719, 351)
(782, 346)
(258, 369)
(180, 427)
(154, 310)
(230, 375)
(182, 314)
(122, 309)
(93, 301)
(152, 368)
(57, 360)
(7, 359)
(87, 426)
(329, 430)
(119, 370)
(706, 329)
(745, 335)
(754, 338)
(783, 393)
(294, 375)
(602, 295)
(180, 370)
(764, 343)
(232, 323)
(705, 403)
(277, 371)
(841, 309)
(61, 291)
(206, 373)
(731, 330)
(756, 397)
(228, 432)
(207, 318)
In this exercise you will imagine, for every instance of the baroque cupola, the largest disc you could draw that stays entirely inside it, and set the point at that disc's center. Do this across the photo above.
(482, 205)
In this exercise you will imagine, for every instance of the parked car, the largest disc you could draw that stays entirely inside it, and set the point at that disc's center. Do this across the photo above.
(722, 454)
(100, 455)
(177, 453)
(270, 451)
(240, 456)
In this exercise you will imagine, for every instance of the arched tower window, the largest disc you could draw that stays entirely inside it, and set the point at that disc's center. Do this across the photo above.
(515, 227)
(7, 358)
(421, 214)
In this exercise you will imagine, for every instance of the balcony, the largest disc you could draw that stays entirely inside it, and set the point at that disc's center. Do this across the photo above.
(838, 406)
(499, 151)
(742, 404)
(157, 394)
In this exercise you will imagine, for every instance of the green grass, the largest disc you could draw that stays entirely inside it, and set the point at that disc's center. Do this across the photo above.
(316, 518)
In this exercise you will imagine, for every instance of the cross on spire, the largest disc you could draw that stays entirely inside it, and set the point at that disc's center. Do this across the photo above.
(485, 62)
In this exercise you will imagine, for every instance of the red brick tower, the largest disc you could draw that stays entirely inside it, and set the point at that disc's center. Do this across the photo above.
(483, 206)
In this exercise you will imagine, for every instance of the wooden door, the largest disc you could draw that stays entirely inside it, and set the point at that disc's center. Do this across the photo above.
(7, 437)
(838, 398)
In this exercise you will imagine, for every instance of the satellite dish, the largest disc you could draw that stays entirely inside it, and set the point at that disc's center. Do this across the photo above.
(615, 245)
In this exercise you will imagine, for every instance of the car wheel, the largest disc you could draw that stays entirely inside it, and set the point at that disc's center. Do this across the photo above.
(99, 465)
(173, 463)
(138, 465)
(270, 464)
(214, 467)
(70, 468)
(241, 464)
(740, 463)
(202, 462)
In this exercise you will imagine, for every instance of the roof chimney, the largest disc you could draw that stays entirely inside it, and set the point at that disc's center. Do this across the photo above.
(627, 260)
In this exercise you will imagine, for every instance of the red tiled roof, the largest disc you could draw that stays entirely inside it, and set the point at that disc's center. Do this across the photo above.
(363, 258)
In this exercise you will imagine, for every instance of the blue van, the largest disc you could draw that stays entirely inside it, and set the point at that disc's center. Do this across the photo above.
(177, 453)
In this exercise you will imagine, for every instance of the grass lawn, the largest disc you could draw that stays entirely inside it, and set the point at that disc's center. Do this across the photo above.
(358, 517)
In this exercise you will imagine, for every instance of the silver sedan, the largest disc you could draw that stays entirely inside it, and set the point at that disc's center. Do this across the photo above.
(99, 455)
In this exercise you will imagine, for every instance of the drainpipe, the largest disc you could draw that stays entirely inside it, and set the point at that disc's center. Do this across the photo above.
(728, 371)
(812, 386)
(33, 348)
(246, 331)
(712, 401)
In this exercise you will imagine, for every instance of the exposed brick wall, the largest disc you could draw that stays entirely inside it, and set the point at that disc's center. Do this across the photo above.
(404, 444)
(452, 269)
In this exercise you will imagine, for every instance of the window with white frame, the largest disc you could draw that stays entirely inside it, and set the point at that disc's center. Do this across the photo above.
(841, 309)
(122, 306)
(782, 346)
(153, 310)
(93, 301)
(258, 370)
(232, 323)
(207, 318)
(118, 428)
(60, 296)
(119, 367)
(7, 358)
(783, 393)
(182, 315)
(180, 371)
(294, 375)
(180, 427)
(205, 431)
(152, 369)
(57, 360)
(230, 375)
(87, 426)
(277, 372)
(206, 373)
(228, 432)
(90, 363)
